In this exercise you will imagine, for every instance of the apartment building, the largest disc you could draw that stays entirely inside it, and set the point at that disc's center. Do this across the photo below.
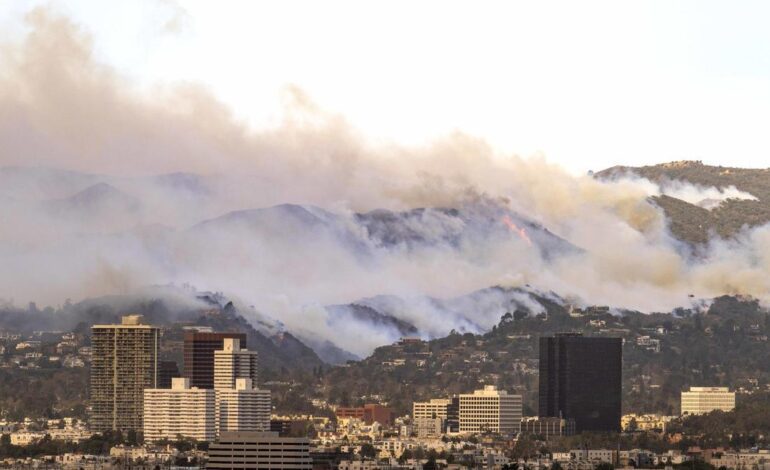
(233, 362)
(124, 362)
(180, 410)
(242, 408)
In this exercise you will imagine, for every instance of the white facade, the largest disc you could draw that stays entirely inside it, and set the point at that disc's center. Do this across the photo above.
(242, 408)
(490, 410)
(180, 410)
(701, 400)
(233, 363)
(436, 408)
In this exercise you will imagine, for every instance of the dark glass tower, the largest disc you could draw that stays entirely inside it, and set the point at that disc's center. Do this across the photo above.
(453, 415)
(580, 379)
(199, 355)
(167, 370)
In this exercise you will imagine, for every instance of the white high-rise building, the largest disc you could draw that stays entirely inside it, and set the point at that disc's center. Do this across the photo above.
(490, 410)
(180, 410)
(436, 408)
(232, 362)
(242, 408)
(700, 400)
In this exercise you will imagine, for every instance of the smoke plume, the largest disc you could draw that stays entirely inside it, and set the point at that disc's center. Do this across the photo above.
(106, 189)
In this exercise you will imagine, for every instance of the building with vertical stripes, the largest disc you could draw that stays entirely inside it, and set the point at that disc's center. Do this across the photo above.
(124, 362)
(580, 379)
(199, 350)
(233, 362)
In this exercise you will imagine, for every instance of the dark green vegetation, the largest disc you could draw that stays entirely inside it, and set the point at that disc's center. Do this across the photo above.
(693, 224)
(49, 393)
(725, 345)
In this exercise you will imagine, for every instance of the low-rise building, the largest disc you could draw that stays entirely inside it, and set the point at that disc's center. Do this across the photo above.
(435, 408)
(259, 450)
(547, 426)
(427, 428)
(369, 413)
(700, 400)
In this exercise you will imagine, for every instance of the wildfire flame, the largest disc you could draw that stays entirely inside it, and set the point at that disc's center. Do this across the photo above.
(521, 232)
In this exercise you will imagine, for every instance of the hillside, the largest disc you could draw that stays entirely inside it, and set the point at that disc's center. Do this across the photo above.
(691, 223)
(725, 344)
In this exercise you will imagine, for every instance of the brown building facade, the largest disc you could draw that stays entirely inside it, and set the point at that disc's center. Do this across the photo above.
(199, 355)
(369, 414)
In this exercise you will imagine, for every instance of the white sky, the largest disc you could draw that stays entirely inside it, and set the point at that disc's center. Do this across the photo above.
(587, 84)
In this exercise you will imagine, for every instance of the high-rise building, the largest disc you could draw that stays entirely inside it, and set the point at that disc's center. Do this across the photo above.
(232, 362)
(244, 450)
(199, 350)
(179, 410)
(124, 362)
(242, 408)
(700, 400)
(490, 410)
(167, 370)
(580, 379)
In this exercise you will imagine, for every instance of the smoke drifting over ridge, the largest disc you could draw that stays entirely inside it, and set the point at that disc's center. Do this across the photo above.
(168, 187)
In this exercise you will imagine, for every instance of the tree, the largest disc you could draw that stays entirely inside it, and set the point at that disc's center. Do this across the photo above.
(368, 451)
(633, 426)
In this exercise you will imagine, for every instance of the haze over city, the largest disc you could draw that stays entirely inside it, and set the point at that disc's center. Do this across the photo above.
(392, 214)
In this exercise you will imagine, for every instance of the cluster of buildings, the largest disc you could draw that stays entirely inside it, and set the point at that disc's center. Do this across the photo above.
(217, 400)
(570, 401)
(43, 349)
(219, 393)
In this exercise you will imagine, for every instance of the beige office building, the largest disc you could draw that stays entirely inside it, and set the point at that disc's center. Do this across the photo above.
(232, 362)
(490, 410)
(436, 408)
(259, 450)
(180, 410)
(124, 362)
(700, 400)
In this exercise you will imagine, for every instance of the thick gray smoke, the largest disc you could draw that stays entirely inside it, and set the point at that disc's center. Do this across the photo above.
(106, 189)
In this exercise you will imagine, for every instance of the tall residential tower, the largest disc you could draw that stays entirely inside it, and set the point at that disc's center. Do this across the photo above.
(124, 363)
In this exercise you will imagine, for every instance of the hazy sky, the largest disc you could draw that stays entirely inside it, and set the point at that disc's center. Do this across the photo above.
(587, 84)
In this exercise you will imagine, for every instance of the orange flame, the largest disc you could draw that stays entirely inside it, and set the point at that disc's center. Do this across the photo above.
(521, 232)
